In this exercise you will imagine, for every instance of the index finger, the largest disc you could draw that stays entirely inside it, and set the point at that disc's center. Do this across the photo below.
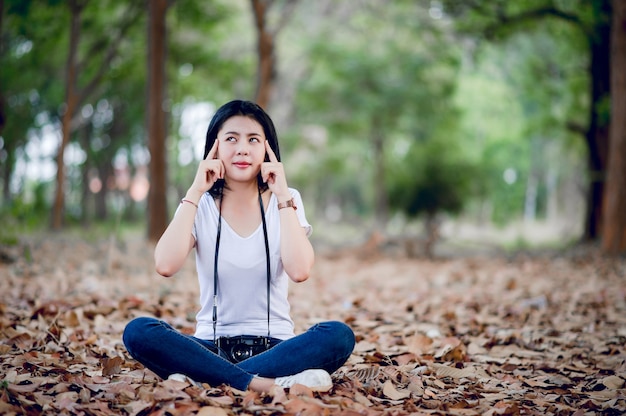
(213, 151)
(270, 152)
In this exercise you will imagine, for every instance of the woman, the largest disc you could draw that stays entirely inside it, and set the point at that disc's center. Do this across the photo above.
(250, 234)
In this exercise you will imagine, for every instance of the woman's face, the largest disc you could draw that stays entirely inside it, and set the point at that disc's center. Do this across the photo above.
(241, 148)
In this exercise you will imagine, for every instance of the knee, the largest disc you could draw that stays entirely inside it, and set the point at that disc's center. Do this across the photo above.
(135, 332)
(342, 334)
(348, 335)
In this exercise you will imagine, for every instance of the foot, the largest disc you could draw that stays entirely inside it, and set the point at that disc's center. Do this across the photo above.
(316, 380)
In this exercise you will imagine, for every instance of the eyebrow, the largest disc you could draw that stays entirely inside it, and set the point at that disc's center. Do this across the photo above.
(239, 134)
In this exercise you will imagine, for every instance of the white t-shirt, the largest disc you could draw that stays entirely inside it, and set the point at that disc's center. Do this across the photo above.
(242, 276)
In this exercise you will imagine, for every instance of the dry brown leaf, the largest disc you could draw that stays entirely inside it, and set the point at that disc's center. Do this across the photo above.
(391, 392)
(135, 407)
(111, 366)
(476, 336)
(302, 407)
(300, 390)
(443, 370)
(419, 344)
(22, 388)
(360, 398)
(613, 382)
(212, 411)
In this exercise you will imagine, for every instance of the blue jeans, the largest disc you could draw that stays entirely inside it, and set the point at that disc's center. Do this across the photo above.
(164, 350)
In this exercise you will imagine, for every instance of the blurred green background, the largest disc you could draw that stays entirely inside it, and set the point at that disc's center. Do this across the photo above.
(470, 122)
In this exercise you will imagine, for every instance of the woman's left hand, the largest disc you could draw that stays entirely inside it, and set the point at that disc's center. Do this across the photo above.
(273, 174)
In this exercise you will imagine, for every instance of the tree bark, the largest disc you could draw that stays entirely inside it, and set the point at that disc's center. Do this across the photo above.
(105, 173)
(614, 224)
(86, 197)
(76, 8)
(266, 65)
(2, 103)
(157, 116)
(597, 134)
(381, 204)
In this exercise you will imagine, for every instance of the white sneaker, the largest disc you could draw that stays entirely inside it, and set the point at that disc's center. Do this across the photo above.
(316, 380)
(183, 378)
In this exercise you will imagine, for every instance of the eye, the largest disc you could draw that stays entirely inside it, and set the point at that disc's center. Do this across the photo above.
(255, 140)
(231, 139)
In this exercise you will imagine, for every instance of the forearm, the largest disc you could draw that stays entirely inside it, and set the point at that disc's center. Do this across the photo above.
(295, 248)
(176, 242)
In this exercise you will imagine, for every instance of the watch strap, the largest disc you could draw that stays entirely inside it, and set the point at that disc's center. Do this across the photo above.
(291, 203)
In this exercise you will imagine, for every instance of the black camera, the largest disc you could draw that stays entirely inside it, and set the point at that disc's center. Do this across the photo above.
(237, 349)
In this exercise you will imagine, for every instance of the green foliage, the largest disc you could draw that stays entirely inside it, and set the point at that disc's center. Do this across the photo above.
(24, 213)
(110, 124)
(386, 74)
(433, 178)
(453, 112)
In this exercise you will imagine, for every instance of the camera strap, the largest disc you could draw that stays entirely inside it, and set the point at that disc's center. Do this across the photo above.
(267, 264)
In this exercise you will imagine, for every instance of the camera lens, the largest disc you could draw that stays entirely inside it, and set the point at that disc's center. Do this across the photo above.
(241, 352)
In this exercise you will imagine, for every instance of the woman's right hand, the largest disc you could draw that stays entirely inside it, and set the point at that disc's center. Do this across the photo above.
(209, 171)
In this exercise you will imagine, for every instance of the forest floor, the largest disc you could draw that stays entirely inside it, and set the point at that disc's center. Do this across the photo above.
(495, 334)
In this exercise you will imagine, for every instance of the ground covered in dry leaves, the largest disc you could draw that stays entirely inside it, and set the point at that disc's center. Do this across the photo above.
(522, 334)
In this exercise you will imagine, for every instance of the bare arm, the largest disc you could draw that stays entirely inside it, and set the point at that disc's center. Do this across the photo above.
(296, 250)
(177, 241)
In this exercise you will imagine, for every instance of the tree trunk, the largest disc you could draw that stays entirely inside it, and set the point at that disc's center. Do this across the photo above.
(7, 172)
(105, 173)
(86, 197)
(2, 102)
(75, 97)
(597, 135)
(266, 69)
(431, 223)
(70, 107)
(614, 215)
(381, 204)
(157, 116)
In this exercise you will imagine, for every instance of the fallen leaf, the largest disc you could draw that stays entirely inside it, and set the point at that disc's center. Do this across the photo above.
(613, 382)
(394, 394)
(111, 366)
(212, 411)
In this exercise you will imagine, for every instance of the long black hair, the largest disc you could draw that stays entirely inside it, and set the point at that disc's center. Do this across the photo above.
(247, 109)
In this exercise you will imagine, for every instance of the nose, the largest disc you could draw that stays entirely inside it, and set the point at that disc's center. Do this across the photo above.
(242, 148)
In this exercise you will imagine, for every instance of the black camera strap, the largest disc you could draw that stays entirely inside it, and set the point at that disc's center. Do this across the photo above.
(267, 264)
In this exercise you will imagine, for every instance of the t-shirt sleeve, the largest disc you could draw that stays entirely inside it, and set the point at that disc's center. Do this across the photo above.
(300, 212)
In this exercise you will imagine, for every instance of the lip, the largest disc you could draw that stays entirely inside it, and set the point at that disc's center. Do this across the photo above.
(242, 165)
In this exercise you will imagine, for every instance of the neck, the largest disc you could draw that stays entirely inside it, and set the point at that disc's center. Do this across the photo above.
(242, 190)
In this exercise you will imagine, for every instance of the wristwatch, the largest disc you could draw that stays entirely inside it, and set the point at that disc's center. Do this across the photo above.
(287, 204)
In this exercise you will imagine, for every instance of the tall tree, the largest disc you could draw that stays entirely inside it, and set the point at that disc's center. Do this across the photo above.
(28, 79)
(75, 95)
(157, 119)
(6, 173)
(266, 40)
(2, 104)
(71, 100)
(614, 230)
(593, 19)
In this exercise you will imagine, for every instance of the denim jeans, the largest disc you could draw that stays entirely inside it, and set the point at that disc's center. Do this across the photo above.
(164, 350)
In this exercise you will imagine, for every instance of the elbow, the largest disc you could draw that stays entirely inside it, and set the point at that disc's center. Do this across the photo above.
(164, 269)
(299, 277)
(299, 270)
(299, 274)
